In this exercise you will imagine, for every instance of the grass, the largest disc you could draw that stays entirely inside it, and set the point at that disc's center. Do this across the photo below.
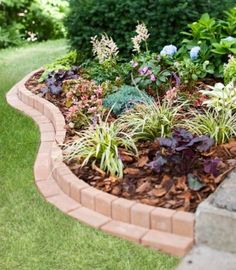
(33, 234)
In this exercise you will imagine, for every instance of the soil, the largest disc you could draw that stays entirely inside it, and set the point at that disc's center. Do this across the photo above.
(140, 183)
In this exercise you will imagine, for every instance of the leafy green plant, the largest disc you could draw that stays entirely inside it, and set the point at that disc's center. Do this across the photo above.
(230, 70)
(100, 143)
(125, 98)
(149, 121)
(220, 126)
(151, 73)
(63, 63)
(190, 71)
(214, 38)
(221, 97)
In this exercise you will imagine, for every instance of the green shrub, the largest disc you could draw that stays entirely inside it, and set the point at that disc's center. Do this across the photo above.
(118, 18)
(31, 20)
(230, 70)
(125, 98)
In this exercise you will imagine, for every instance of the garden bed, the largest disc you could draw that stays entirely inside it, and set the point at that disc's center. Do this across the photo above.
(139, 182)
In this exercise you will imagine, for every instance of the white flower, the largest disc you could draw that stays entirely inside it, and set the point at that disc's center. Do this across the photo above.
(105, 48)
(142, 35)
(229, 38)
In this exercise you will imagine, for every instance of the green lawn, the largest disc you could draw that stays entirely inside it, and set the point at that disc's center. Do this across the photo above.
(33, 234)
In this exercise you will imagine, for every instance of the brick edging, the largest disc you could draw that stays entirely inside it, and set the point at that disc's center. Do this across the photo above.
(163, 229)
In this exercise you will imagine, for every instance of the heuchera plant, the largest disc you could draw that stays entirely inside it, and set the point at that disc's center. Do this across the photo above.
(181, 154)
(55, 80)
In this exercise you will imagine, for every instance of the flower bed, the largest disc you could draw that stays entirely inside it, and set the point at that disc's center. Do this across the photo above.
(159, 129)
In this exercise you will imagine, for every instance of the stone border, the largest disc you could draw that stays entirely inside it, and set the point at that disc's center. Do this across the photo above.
(163, 229)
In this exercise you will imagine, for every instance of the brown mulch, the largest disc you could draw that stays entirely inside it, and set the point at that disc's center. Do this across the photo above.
(139, 182)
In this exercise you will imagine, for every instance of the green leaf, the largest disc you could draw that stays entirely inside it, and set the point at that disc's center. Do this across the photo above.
(194, 183)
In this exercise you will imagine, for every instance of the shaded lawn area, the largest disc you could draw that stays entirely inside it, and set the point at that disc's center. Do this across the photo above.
(33, 234)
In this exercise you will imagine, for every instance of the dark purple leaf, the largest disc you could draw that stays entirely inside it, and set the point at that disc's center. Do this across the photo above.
(211, 166)
(157, 164)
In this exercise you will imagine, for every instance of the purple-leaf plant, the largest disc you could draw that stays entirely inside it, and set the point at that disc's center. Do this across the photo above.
(181, 154)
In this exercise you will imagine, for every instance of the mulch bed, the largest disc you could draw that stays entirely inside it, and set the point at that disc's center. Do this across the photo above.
(140, 183)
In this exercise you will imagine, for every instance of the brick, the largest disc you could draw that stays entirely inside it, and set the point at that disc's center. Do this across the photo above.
(141, 215)
(38, 104)
(64, 182)
(47, 136)
(41, 119)
(30, 111)
(121, 210)
(89, 217)
(46, 127)
(48, 188)
(41, 167)
(183, 223)
(104, 203)
(61, 169)
(124, 230)
(167, 242)
(48, 111)
(76, 187)
(161, 219)
(88, 197)
(45, 147)
(60, 136)
(64, 203)
(27, 98)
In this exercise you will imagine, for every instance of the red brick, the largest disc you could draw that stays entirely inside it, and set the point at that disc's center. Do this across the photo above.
(89, 217)
(183, 223)
(121, 210)
(61, 169)
(167, 242)
(48, 188)
(64, 203)
(141, 215)
(124, 230)
(88, 197)
(104, 203)
(161, 219)
(76, 187)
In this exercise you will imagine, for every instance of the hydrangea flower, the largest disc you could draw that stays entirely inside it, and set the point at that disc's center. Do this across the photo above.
(168, 50)
(194, 52)
(229, 38)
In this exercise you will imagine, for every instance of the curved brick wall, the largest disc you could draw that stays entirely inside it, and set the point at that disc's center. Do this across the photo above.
(164, 229)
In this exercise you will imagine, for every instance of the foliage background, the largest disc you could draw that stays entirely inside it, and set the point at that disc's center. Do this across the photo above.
(29, 19)
(118, 18)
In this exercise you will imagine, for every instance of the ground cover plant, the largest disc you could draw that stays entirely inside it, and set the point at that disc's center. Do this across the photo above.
(157, 126)
(33, 233)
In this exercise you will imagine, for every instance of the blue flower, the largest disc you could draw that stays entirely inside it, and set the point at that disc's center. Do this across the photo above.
(168, 50)
(229, 38)
(194, 52)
